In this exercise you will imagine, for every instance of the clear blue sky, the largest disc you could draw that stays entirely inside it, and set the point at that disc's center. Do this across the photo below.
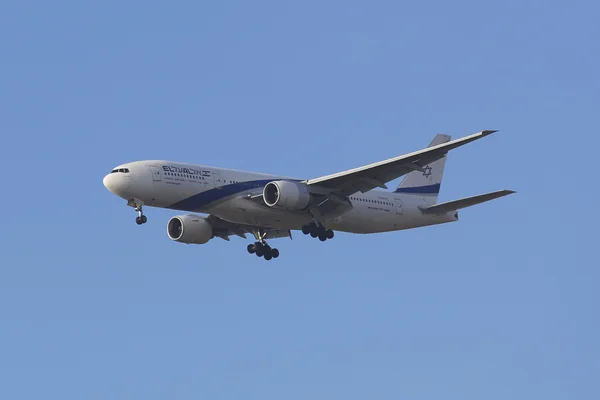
(503, 304)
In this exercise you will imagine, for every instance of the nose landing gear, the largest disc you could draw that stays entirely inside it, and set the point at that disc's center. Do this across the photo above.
(316, 230)
(138, 204)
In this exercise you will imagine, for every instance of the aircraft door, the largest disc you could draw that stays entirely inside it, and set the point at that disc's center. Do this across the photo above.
(218, 180)
(155, 174)
(399, 209)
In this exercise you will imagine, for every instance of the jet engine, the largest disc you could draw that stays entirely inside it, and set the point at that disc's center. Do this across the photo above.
(292, 196)
(189, 229)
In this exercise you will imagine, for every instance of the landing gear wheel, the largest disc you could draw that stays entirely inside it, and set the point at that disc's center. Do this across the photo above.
(317, 230)
(251, 248)
(275, 253)
(266, 252)
(260, 249)
(144, 219)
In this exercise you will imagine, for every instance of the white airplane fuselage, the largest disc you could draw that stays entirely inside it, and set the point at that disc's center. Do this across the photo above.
(224, 193)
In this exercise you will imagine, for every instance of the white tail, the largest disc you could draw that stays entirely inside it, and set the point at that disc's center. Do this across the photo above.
(426, 181)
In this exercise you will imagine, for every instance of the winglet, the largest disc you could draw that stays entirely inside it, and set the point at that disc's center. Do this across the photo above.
(488, 132)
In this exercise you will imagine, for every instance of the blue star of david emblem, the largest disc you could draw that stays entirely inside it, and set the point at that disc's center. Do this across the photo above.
(427, 172)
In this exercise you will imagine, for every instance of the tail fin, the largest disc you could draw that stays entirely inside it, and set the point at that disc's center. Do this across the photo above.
(427, 181)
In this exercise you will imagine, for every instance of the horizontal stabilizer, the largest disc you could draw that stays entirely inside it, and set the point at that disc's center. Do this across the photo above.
(443, 208)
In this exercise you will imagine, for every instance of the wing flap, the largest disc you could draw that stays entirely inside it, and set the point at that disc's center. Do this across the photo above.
(454, 205)
(224, 229)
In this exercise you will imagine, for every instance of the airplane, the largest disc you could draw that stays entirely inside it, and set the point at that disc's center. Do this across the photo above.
(237, 203)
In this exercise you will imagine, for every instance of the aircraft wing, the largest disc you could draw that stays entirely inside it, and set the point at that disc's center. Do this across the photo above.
(323, 206)
(225, 229)
(370, 176)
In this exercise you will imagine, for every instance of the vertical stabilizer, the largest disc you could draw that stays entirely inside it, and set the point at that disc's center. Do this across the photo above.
(427, 181)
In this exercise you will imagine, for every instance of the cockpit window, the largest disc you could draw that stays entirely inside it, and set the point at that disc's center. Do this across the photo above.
(124, 170)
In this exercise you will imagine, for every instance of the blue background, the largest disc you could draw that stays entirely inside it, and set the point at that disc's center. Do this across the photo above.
(503, 304)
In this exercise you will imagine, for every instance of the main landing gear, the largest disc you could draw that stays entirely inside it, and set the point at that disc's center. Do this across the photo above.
(317, 230)
(137, 204)
(261, 248)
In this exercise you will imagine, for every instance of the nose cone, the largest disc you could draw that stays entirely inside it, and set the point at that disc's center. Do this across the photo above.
(118, 184)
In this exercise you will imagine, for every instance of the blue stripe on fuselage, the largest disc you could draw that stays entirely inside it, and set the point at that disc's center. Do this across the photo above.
(203, 199)
(430, 189)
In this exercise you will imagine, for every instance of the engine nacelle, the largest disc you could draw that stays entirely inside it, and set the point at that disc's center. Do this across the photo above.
(286, 195)
(189, 229)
